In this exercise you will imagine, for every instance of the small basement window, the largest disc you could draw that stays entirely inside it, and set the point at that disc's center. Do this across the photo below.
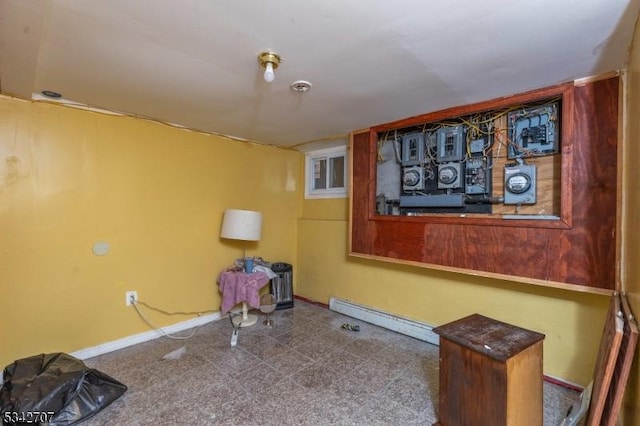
(326, 173)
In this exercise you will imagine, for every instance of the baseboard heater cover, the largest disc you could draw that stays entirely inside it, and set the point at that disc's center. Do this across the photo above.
(416, 329)
(412, 328)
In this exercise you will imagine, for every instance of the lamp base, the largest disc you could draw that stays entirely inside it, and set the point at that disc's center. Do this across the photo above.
(251, 320)
(247, 318)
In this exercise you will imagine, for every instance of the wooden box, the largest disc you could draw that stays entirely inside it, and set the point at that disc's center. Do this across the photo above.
(490, 374)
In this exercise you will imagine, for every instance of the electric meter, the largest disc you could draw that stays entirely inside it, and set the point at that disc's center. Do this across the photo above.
(520, 184)
(449, 175)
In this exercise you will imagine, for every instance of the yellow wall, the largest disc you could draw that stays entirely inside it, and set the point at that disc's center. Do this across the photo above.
(571, 321)
(69, 178)
(631, 220)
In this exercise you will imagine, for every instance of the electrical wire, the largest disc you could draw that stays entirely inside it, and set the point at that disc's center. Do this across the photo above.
(153, 308)
(496, 128)
(379, 146)
(159, 329)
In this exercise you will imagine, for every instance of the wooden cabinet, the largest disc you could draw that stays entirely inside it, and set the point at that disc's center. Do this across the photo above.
(490, 374)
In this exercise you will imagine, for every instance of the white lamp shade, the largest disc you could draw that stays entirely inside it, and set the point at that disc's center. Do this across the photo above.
(241, 225)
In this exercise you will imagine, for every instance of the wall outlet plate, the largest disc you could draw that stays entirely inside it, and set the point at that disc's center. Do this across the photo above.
(129, 296)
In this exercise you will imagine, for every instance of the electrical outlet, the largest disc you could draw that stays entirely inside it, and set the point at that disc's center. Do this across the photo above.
(131, 298)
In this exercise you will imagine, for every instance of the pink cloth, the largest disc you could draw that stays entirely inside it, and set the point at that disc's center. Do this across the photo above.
(239, 287)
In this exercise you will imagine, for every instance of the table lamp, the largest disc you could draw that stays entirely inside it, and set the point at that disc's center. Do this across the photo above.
(245, 225)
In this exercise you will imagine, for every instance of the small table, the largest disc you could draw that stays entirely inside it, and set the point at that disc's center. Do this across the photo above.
(240, 287)
(490, 374)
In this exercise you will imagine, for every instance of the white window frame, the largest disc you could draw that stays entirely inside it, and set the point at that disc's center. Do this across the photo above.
(328, 153)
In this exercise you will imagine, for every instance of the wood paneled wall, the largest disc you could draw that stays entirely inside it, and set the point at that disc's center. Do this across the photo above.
(577, 252)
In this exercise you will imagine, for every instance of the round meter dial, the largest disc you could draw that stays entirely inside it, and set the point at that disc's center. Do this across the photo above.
(518, 183)
(447, 175)
(411, 178)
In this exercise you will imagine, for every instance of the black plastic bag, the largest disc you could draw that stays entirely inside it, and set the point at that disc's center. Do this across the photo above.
(55, 389)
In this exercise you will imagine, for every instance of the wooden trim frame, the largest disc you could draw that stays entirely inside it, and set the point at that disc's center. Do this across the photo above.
(575, 251)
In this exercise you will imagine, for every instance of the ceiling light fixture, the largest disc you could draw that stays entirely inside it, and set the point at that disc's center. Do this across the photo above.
(269, 61)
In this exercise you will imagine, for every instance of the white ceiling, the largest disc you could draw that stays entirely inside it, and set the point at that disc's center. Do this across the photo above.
(194, 62)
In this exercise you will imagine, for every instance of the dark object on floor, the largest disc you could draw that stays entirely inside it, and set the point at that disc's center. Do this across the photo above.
(56, 388)
(351, 327)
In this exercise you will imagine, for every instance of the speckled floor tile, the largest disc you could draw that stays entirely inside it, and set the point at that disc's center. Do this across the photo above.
(411, 392)
(342, 362)
(305, 370)
(364, 348)
(383, 411)
(289, 362)
(314, 348)
(315, 376)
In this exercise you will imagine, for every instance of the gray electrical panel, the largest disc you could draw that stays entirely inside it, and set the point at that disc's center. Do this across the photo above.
(447, 166)
(412, 149)
(534, 131)
(451, 142)
(477, 146)
(477, 178)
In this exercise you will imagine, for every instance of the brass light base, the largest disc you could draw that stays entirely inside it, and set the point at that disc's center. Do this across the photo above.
(266, 57)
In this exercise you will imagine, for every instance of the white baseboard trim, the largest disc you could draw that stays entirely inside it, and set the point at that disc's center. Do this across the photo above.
(144, 337)
(140, 338)
(409, 327)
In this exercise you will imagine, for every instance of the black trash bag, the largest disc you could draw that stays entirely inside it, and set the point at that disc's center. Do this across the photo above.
(55, 388)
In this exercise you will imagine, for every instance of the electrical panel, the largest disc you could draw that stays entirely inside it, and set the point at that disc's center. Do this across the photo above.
(412, 148)
(534, 131)
(450, 140)
(447, 166)
(477, 177)
(477, 146)
(440, 171)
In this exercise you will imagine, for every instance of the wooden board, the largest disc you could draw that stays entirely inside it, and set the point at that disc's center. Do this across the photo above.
(623, 366)
(606, 361)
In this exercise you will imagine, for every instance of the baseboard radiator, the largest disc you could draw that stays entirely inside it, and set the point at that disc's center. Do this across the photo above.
(409, 327)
